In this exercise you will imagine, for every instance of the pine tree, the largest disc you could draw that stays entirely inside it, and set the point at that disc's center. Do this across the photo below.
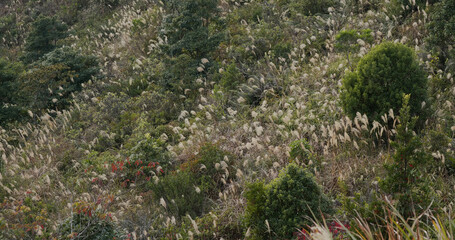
(405, 179)
(43, 38)
(9, 73)
(187, 28)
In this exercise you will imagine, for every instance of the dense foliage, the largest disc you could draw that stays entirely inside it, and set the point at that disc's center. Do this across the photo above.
(43, 38)
(406, 178)
(239, 119)
(441, 27)
(9, 73)
(88, 223)
(290, 201)
(381, 78)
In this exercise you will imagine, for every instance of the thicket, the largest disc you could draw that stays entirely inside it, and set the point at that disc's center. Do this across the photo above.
(193, 30)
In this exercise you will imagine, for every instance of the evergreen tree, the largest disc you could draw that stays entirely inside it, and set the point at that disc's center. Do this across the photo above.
(441, 28)
(43, 38)
(406, 179)
(381, 78)
(187, 28)
(9, 73)
(193, 30)
(81, 66)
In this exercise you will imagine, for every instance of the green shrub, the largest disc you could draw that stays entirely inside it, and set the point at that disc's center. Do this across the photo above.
(110, 3)
(218, 224)
(441, 28)
(381, 78)
(406, 177)
(82, 67)
(43, 38)
(178, 189)
(209, 167)
(256, 90)
(88, 223)
(9, 73)
(306, 7)
(186, 191)
(412, 5)
(369, 204)
(29, 215)
(180, 74)
(346, 41)
(231, 78)
(438, 141)
(287, 203)
(301, 151)
(150, 151)
(188, 28)
(44, 88)
(282, 49)
(9, 31)
(251, 13)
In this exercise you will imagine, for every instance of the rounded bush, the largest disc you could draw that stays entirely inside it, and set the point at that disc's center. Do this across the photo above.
(381, 78)
(287, 203)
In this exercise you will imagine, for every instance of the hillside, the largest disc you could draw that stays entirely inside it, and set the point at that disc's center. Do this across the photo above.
(227, 119)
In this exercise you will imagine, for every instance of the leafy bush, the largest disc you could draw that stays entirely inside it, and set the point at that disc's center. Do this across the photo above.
(217, 224)
(31, 219)
(412, 5)
(440, 143)
(287, 203)
(209, 167)
(282, 50)
(251, 12)
(109, 3)
(44, 87)
(381, 78)
(256, 90)
(180, 74)
(148, 152)
(9, 32)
